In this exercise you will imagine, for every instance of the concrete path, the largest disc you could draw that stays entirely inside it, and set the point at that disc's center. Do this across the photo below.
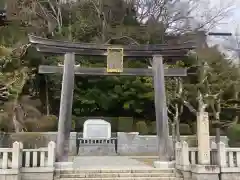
(107, 162)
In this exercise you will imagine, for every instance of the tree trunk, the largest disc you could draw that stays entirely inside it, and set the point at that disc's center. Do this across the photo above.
(218, 133)
(47, 97)
(176, 119)
(174, 137)
(15, 123)
(236, 119)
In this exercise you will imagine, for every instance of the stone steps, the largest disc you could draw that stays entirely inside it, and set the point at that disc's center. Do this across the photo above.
(114, 175)
(110, 174)
(109, 170)
(125, 178)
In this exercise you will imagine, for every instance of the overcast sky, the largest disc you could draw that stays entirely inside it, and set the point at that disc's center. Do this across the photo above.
(229, 24)
(233, 20)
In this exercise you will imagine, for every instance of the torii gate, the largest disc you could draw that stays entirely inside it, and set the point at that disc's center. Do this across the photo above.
(115, 56)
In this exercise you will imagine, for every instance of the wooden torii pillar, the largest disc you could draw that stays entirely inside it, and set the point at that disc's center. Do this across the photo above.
(69, 49)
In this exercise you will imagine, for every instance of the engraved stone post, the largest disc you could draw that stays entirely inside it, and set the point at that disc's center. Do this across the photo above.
(203, 138)
(65, 113)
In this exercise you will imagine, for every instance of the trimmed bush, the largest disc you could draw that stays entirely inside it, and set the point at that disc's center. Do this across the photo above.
(153, 128)
(141, 127)
(48, 123)
(30, 140)
(125, 124)
(185, 129)
(233, 133)
(114, 123)
(44, 124)
(194, 127)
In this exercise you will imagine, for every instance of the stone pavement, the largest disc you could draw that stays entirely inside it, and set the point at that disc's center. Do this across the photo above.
(107, 162)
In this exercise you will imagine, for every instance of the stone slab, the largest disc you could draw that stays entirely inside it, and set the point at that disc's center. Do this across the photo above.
(96, 129)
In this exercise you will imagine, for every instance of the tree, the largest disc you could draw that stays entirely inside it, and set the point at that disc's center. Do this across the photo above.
(216, 76)
(182, 16)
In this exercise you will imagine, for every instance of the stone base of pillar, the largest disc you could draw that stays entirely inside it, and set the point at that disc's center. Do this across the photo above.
(164, 165)
(205, 172)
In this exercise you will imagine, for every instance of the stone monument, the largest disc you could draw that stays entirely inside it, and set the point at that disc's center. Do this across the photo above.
(203, 138)
(97, 138)
(96, 129)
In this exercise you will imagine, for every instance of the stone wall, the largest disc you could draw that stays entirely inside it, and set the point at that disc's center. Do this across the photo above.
(133, 143)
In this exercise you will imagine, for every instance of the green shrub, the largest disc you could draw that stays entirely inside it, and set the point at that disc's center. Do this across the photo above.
(141, 127)
(48, 123)
(45, 123)
(30, 140)
(233, 133)
(185, 129)
(114, 123)
(125, 124)
(153, 128)
(194, 127)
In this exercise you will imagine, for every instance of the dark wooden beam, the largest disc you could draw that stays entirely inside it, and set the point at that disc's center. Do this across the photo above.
(98, 52)
(44, 69)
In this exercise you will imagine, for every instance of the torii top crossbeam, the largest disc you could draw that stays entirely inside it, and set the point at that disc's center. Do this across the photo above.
(88, 49)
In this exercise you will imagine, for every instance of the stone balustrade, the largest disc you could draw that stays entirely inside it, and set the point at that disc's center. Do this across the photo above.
(224, 163)
(17, 163)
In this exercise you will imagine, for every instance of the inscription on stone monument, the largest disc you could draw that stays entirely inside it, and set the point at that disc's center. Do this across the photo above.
(96, 129)
(203, 138)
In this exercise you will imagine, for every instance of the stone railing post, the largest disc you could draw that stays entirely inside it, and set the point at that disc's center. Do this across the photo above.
(222, 159)
(185, 155)
(21, 153)
(178, 149)
(51, 153)
(16, 155)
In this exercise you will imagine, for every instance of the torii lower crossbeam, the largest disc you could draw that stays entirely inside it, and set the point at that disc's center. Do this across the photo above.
(43, 69)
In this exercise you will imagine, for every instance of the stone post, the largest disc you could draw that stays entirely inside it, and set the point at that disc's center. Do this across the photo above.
(65, 112)
(203, 138)
(222, 155)
(51, 153)
(185, 163)
(16, 155)
(73, 144)
(185, 155)
(164, 150)
(21, 153)
(178, 153)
